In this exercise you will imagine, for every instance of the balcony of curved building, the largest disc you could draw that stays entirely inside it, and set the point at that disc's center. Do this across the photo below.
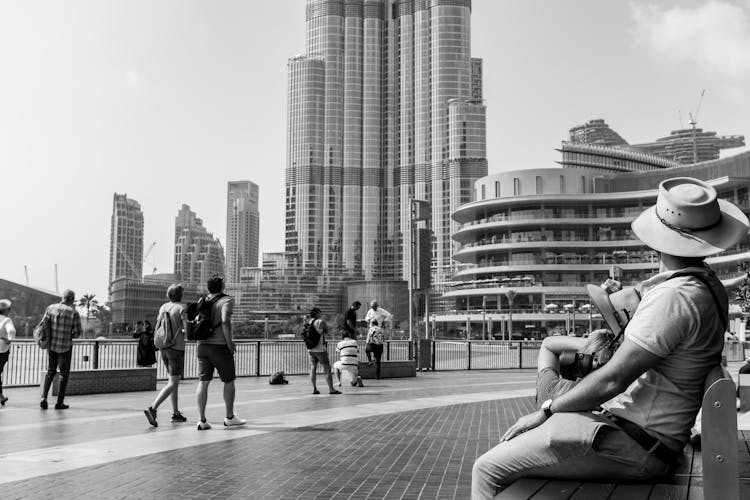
(584, 251)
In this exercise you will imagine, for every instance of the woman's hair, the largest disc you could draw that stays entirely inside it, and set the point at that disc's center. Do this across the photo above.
(597, 340)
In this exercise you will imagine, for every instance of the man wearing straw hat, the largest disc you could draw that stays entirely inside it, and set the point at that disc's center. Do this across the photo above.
(652, 387)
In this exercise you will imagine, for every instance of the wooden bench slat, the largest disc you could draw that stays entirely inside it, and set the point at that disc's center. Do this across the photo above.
(556, 490)
(593, 491)
(669, 492)
(631, 492)
(718, 437)
(523, 488)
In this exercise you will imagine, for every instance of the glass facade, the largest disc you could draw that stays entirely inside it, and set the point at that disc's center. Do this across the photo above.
(126, 239)
(242, 228)
(380, 111)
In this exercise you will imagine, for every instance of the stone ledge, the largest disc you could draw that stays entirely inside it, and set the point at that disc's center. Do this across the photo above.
(389, 369)
(102, 381)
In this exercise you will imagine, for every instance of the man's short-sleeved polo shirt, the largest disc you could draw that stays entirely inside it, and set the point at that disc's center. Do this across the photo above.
(679, 321)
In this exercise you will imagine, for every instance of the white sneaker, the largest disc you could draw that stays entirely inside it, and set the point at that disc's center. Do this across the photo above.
(234, 421)
(203, 426)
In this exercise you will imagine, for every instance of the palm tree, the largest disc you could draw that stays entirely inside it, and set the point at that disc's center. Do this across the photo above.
(88, 301)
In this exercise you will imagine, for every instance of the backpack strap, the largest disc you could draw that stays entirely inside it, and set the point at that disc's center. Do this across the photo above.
(722, 314)
(213, 300)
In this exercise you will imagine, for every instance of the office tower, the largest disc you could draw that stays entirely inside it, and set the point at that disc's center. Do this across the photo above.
(242, 228)
(126, 239)
(197, 254)
(385, 105)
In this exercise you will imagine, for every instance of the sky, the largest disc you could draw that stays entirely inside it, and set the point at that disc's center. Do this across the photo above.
(167, 101)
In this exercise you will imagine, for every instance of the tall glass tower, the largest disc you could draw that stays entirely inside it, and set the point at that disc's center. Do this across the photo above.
(126, 239)
(385, 105)
(242, 228)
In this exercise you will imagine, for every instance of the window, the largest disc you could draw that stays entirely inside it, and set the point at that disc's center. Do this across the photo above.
(483, 191)
(562, 184)
(538, 184)
(497, 189)
(583, 183)
(516, 186)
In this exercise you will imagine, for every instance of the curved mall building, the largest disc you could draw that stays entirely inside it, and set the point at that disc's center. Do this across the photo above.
(532, 239)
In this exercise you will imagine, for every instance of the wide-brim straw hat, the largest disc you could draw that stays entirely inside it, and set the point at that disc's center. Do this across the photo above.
(616, 308)
(689, 220)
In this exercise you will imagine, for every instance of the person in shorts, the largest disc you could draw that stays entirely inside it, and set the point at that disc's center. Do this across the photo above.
(319, 354)
(173, 356)
(217, 353)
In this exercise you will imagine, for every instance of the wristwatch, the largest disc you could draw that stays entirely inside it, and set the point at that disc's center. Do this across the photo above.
(547, 408)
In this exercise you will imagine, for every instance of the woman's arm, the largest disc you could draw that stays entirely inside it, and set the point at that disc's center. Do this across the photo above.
(552, 347)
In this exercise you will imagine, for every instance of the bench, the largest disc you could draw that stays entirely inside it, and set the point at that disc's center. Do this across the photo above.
(101, 381)
(710, 473)
(389, 369)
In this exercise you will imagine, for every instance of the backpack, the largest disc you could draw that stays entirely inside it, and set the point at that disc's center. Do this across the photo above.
(163, 336)
(310, 335)
(277, 378)
(199, 326)
(40, 334)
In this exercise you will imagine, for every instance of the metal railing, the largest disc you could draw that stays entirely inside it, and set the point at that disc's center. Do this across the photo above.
(484, 354)
(254, 358)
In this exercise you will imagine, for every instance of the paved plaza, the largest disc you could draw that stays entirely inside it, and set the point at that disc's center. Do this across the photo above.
(413, 438)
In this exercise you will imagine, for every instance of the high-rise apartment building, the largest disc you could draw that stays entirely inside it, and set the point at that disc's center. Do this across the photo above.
(126, 239)
(242, 228)
(197, 254)
(384, 106)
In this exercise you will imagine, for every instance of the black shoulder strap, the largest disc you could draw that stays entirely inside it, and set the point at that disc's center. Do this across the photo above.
(702, 279)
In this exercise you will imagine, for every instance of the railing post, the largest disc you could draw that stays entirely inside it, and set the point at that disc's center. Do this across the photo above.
(411, 350)
(257, 359)
(468, 344)
(433, 345)
(95, 361)
(520, 354)
(387, 350)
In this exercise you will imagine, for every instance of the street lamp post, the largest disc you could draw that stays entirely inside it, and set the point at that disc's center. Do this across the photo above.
(484, 317)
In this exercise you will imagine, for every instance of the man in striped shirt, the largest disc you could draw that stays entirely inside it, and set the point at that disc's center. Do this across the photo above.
(349, 362)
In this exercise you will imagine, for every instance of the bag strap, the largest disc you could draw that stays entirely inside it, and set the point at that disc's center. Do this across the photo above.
(702, 279)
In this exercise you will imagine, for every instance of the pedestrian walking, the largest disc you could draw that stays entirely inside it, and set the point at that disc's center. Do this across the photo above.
(170, 339)
(62, 324)
(350, 319)
(380, 317)
(7, 333)
(315, 340)
(217, 352)
(374, 345)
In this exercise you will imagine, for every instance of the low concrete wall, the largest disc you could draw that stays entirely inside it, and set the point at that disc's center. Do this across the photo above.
(389, 369)
(107, 380)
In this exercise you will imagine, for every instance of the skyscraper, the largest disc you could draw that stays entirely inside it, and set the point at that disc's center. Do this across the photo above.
(385, 105)
(126, 239)
(242, 228)
(197, 254)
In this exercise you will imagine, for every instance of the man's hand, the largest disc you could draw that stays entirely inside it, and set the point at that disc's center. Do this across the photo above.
(611, 285)
(525, 423)
(232, 348)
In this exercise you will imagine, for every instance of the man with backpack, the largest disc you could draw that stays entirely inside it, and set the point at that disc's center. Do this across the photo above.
(313, 334)
(216, 350)
(169, 338)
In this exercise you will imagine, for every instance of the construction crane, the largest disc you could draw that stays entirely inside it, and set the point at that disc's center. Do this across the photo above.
(146, 254)
(693, 122)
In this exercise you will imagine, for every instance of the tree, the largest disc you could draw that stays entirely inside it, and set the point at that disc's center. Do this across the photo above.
(89, 302)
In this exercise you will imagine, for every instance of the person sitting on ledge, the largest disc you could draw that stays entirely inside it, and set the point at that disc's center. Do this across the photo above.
(651, 389)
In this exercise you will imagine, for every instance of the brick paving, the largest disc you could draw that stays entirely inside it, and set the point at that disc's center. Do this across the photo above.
(408, 455)
(395, 439)
(402, 453)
